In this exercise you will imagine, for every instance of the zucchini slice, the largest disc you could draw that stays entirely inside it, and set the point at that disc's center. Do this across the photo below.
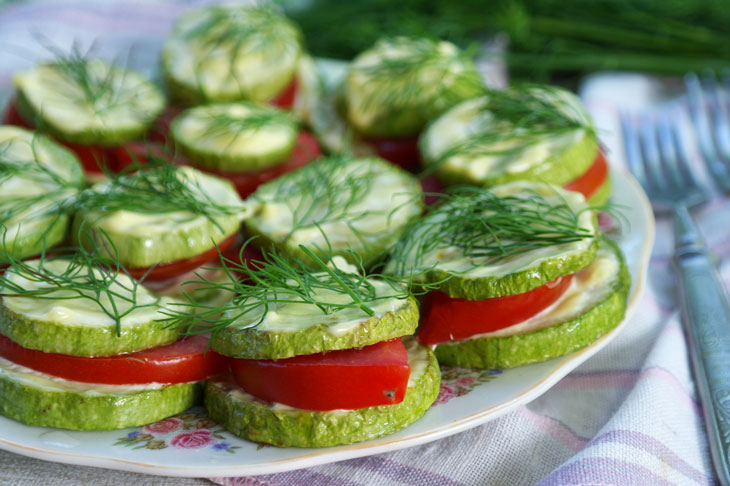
(145, 239)
(541, 134)
(260, 421)
(61, 322)
(230, 53)
(397, 86)
(38, 399)
(285, 329)
(36, 176)
(465, 272)
(594, 305)
(235, 136)
(361, 205)
(88, 101)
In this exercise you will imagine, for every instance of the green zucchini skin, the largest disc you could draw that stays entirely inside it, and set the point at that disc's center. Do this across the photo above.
(33, 405)
(549, 342)
(259, 421)
(261, 344)
(55, 337)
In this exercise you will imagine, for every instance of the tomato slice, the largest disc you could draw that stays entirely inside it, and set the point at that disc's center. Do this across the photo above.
(432, 187)
(12, 116)
(166, 271)
(285, 99)
(447, 318)
(305, 150)
(592, 179)
(400, 151)
(343, 379)
(183, 361)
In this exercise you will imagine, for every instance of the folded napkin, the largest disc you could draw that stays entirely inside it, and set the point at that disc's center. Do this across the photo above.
(629, 416)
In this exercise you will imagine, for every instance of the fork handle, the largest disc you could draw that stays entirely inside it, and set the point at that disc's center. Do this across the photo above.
(706, 312)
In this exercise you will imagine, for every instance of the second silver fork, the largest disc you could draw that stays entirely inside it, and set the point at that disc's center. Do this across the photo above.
(658, 160)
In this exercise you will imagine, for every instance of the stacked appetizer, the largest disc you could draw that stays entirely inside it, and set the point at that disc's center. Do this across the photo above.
(37, 177)
(352, 207)
(521, 271)
(81, 347)
(162, 223)
(92, 106)
(391, 91)
(532, 132)
(317, 356)
(225, 53)
(245, 142)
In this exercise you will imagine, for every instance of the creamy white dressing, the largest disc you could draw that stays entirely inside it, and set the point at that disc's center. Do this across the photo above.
(59, 306)
(418, 360)
(221, 69)
(152, 225)
(29, 377)
(452, 259)
(588, 287)
(384, 209)
(195, 130)
(469, 119)
(130, 100)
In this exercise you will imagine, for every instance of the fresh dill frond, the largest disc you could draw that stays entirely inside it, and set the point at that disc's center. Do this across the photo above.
(512, 120)
(328, 285)
(73, 273)
(485, 228)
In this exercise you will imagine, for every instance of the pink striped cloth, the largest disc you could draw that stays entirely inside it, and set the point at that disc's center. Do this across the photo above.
(629, 416)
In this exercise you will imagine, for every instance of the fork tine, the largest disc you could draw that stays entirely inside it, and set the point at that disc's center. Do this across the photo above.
(683, 162)
(669, 155)
(650, 155)
(630, 137)
(721, 128)
(703, 133)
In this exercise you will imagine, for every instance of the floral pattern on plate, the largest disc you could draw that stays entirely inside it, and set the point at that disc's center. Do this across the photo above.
(457, 382)
(189, 430)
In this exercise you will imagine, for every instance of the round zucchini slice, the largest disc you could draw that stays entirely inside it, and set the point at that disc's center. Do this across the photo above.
(282, 426)
(285, 329)
(143, 239)
(230, 53)
(397, 86)
(594, 305)
(88, 102)
(60, 320)
(36, 177)
(539, 133)
(462, 246)
(355, 208)
(38, 399)
(235, 136)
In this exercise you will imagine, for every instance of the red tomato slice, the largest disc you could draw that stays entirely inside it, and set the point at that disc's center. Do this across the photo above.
(12, 116)
(588, 183)
(432, 186)
(344, 379)
(305, 150)
(446, 318)
(285, 99)
(180, 362)
(400, 151)
(166, 271)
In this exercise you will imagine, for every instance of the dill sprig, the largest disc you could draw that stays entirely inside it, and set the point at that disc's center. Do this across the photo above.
(524, 114)
(73, 273)
(477, 224)
(261, 285)
(152, 188)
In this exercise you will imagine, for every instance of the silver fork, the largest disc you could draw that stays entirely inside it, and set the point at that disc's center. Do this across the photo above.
(711, 123)
(657, 158)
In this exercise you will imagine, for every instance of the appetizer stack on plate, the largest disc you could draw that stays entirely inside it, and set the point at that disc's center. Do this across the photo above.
(319, 306)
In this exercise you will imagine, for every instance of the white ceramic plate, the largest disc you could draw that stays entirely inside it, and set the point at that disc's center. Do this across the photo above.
(192, 445)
